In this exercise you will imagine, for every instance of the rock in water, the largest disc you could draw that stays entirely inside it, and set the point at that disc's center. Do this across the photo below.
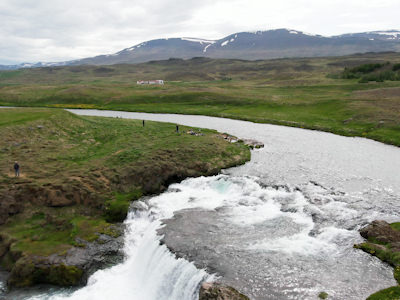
(382, 232)
(253, 144)
(217, 291)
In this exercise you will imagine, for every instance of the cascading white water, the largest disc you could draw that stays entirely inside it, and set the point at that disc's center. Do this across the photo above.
(307, 228)
(150, 271)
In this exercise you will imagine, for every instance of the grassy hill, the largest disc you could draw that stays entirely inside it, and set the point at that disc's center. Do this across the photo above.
(78, 176)
(307, 92)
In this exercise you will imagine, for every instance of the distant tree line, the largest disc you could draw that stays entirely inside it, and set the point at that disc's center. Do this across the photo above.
(378, 72)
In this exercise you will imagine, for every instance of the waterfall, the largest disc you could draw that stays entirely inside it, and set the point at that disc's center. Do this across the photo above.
(150, 271)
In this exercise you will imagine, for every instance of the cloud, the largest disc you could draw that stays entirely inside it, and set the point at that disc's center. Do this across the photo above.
(56, 30)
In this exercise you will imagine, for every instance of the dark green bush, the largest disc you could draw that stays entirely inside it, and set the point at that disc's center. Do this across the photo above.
(380, 77)
(116, 211)
(396, 67)
(366, 68)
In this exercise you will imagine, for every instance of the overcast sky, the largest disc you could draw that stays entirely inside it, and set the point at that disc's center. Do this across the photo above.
(57, 30)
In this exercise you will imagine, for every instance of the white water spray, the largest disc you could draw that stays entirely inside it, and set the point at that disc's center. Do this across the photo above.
(254, 221)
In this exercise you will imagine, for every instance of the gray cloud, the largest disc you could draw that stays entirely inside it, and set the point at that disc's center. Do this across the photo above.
(55, 30)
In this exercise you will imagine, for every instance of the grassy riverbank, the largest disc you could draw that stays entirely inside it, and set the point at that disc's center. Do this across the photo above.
(383, 241)
(79, 174)
(292, 92)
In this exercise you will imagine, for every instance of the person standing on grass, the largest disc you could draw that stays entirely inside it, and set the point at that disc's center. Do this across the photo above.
(16, 169)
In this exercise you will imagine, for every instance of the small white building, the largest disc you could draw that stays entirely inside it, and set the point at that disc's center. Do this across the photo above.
(141, 82)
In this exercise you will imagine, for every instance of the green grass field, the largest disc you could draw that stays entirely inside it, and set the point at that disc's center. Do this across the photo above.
(79, 174)
(292, 92)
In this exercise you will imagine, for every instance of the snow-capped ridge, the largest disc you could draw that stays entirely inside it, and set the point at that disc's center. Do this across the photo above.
(394, 33)
(268, 44)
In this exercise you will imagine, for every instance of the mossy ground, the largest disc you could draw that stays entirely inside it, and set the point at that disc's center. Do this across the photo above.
(45, 231)
(117, 208)
(392, 293)
(60, 150)
(323, 295)
(385, 253)
(293, 92)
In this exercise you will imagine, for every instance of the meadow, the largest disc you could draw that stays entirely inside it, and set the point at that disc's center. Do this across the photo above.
(308, 93)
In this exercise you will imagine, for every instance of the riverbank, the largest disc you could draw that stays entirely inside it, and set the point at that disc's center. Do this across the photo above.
(78, 176)
(291, 92)
(383, 241)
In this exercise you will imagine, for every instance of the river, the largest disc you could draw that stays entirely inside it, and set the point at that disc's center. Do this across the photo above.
(281, 226)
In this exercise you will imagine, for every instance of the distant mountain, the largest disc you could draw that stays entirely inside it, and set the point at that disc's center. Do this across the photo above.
(278, 43)
(34, 65)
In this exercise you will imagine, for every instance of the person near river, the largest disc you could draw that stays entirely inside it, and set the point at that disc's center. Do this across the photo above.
(16, 169)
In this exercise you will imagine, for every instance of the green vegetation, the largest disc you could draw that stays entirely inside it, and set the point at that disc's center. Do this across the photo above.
(392, 293)
(372, 72)
(323, 295)
(395, 226)
(57, 274)
(292, 92)
(389, 254)
(396, 67)
(357, 72)
(117, 208)
(79, 175)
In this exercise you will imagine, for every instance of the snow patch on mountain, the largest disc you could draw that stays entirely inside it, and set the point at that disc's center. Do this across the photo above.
(224, 43)
(201, 41)
(133, 48)
(205, 48)
(292, 31)
(394, 34)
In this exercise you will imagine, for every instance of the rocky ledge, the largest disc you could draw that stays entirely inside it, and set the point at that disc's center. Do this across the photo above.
(196, 236)
(72, 268)
(252, 144)
(217, 291)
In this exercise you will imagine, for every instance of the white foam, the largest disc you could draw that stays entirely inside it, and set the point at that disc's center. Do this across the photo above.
(152, 272)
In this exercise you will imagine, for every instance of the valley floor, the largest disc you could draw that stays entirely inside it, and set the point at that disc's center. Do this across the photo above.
(293, 92)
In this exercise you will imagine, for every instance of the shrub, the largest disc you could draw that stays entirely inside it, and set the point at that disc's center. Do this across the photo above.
(366, 68)
(323, 295)
(396, 67)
